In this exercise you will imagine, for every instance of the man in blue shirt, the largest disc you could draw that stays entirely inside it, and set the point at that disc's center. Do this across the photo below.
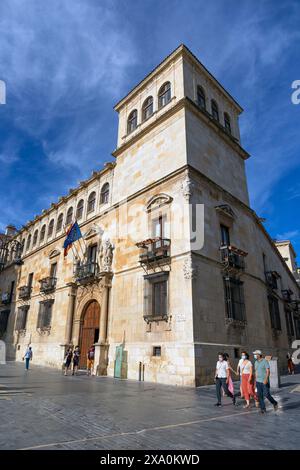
(262, 374)
(27, 357)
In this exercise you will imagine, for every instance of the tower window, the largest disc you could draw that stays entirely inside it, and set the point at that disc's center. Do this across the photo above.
(50, 228)
(79, 211)
(69, 216)
(104, 196)
(59, 223)
(214, 110)
(201, 97)
(132, 121)
(91, 202)
(164, 95)
(147, 108)
(227, 123)
(35, 237)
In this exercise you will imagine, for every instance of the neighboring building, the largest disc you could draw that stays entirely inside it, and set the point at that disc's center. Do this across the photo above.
(288, 253)
(157, 305)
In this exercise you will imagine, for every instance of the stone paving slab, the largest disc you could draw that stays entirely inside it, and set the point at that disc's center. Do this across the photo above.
(42, 409)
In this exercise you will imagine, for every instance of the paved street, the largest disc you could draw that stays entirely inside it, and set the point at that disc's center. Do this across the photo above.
(41, 409)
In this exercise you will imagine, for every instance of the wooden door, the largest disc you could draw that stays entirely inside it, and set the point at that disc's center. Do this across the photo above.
(89, 330)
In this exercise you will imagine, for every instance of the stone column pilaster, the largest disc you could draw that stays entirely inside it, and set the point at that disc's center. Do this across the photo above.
(101, 348)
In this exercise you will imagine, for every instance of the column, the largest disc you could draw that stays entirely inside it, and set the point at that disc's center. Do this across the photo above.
(101, 348)
(70, 318)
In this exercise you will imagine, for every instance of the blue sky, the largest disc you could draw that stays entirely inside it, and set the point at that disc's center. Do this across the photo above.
(66, 63)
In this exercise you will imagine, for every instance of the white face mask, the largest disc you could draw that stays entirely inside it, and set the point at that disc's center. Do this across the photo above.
(221, 359)
(244, 357)
(255, 356)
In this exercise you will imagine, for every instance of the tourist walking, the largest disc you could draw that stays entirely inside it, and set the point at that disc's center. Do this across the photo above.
(247, 382)
(262, 375)
(76, 357)
(222, 379)
(68, 360)
(230, 369)
(90, 360)
(28, 357)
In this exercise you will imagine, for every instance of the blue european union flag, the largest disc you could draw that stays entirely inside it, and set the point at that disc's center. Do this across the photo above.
(73, 234)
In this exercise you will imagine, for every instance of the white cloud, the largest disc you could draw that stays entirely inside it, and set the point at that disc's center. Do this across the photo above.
(289, 235)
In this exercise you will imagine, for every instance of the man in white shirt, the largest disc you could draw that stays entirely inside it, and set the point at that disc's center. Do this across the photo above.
(222, 378)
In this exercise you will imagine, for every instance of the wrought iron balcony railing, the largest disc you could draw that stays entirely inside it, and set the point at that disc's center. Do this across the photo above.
(86, 272)
(48, 284)
(271, 279)
(25, 292)
(154, 250)
(232, 257)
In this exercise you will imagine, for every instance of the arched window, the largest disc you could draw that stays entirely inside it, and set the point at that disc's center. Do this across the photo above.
(59, 223)
(132, 121)
(79, 210)
(147, 109)
(227, 123)
(164, 94)
(214, 110)
(50, 228)
(22, 246)
(201, 97)
(28, 242)
(69, 217)
(91, 202)
(42, 234)
(104, 194)
(35, 237)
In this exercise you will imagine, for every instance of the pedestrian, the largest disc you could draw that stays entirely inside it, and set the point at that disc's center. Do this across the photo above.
(262, 375)
(222, 379)
(90, 360)
(76, 357)
(290, 364)
(230, 369)
(68, 359)
(247, 382)
(28, 357)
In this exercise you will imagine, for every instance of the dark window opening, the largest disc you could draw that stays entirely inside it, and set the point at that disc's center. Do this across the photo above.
(201, 97)
(156, 351)
(164, 95)
(274, 312)
(22, 318)
(45, 314)
(225, 235)
(234, 299)
(214, 110)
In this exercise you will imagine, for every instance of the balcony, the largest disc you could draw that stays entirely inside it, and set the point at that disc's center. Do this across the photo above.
(48, 284)
(86, 272)
(25, 292)
(271, 279)
(233, 259)
(5, 298)
(154, 251)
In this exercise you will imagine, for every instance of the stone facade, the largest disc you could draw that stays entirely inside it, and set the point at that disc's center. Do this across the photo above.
(168, 302)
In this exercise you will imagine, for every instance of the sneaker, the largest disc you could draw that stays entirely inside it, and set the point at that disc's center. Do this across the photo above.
(275, 407)
(262, 412)
(234, 401)
(218, 404)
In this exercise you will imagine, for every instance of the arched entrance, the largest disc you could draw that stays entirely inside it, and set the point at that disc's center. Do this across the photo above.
(89, 331)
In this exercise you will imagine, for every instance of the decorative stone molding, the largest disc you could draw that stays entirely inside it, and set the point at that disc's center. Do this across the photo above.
(158, 201)
(187, 187)
(54, 253)
(93, 231)
(44, 330)
(240, 324)
(189, 271)
(226, 210)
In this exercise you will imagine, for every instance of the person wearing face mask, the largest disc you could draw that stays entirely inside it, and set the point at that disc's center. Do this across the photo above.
(222, 379)
(246, 371)
(262, 374)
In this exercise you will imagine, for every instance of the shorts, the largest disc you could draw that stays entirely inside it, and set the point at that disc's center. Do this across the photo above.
(90, 363)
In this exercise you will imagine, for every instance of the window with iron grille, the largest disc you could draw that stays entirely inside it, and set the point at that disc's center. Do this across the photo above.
(289, 322)
(22, 318)
(274, 312)
(156, 296)
(234, 299)
(4, 314)
(45, 314)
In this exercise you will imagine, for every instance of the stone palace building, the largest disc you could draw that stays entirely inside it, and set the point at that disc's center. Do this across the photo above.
(173, 266)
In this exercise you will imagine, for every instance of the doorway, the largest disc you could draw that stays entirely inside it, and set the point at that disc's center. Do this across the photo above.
(89, 332)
